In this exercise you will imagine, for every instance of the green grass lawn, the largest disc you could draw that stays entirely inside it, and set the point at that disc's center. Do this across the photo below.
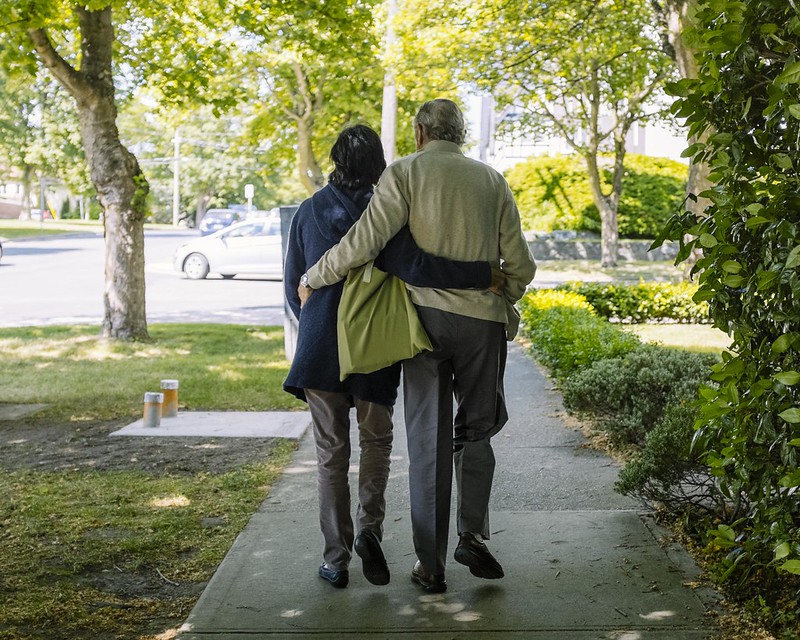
(589, 270)
(82, 376)
(693, 337)
(107, 552)
(13, 229)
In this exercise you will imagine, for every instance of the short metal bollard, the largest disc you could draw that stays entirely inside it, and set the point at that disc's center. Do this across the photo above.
(169, 409)
(152, 408)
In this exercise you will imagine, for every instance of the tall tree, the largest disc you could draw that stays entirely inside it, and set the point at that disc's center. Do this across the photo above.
(78, 44)
(676, 21)
(18, 108)
(312, 76)
(584, 70)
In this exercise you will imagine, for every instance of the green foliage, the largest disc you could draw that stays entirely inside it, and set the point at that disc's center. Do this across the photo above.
(643, 396)
(554, 193)
(566, 334)
(643, 302)
(627, 394)
(747, 120)
(667, 470)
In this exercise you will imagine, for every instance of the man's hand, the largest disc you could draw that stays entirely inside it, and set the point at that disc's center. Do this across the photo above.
(498, 281)
(305, 293)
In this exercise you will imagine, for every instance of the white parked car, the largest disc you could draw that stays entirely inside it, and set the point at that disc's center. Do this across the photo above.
(251, 247)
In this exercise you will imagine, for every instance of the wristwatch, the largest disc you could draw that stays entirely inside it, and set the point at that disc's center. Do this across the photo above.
(304, 281)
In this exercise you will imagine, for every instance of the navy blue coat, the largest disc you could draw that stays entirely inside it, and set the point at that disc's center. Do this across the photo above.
(320, 222)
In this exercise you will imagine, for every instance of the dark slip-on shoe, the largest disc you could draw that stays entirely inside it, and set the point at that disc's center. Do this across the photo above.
(428, 581)
(373, 562)
(473, 553)
(338, 579)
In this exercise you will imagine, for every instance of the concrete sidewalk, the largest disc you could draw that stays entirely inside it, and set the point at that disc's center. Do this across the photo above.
(581, 561)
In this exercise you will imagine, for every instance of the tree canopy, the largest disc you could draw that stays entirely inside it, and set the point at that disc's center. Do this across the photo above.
(585, 71)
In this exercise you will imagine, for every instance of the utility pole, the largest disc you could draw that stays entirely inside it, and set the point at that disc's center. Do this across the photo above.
(176, 179)
(389, 109)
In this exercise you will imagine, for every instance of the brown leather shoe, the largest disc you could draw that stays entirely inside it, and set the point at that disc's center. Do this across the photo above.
(472, 553)
(428, 581)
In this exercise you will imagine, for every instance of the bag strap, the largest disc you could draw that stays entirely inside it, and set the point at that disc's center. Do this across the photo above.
(368, 271)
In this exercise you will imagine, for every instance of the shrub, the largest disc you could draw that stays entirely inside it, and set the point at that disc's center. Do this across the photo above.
(553, 193)
(627, 395)
(566, 334)
(643, 302)
(668, 471)
(749, 236)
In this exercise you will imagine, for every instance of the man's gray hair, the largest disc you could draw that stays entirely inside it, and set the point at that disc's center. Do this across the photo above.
(441, 119)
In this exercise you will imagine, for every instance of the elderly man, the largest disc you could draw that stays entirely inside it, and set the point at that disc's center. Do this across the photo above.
(464, 210)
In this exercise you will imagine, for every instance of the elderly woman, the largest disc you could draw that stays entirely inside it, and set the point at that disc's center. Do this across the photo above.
(321, 221)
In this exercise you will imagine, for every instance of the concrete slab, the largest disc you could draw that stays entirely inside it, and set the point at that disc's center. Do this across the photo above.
(225, 424)
(17, 411)
(568, 573)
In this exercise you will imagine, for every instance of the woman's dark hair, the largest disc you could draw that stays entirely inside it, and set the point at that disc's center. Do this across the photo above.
(357, 157)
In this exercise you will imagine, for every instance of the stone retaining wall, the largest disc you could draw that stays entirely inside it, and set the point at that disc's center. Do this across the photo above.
(552, 249)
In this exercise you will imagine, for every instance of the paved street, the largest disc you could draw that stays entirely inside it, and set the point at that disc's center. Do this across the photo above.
(59, 280)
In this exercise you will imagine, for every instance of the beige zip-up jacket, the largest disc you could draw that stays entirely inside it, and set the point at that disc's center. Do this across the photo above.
(456, 207)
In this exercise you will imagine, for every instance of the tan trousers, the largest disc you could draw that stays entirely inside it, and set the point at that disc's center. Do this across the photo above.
(330, 415)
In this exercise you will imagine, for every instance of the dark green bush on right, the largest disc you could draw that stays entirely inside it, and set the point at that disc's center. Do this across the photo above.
(667, 471)
(627, 395)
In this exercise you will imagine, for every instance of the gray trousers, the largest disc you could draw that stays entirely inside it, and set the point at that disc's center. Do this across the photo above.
(330, 416)
(467, 363)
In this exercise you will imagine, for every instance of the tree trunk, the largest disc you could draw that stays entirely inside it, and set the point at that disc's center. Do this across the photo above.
(121, 191)
(675, 16)
(389, 106)
(27, 173)
(609, 239)
(121, 187)
(607, 206)
(308, 168)
(202, 206)
(678, 16)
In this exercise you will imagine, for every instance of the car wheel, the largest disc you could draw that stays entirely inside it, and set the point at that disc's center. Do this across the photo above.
(227, 276)
(1, 251)
(195, 266)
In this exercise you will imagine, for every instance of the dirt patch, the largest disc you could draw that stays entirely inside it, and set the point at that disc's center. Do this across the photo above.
(28, 443)
(87, 445)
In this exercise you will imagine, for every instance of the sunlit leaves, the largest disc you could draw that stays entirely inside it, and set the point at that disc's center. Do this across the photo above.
(750, 243)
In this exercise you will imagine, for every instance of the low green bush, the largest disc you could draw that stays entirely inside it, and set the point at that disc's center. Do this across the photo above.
(553, 192)
(643, 302)
(668, 471)
(644, 396)
(627, 395)
(566, 334)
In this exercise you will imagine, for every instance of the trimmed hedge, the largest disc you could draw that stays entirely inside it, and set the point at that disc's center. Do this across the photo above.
(566, 334)
(553, 193)
(643, 302)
